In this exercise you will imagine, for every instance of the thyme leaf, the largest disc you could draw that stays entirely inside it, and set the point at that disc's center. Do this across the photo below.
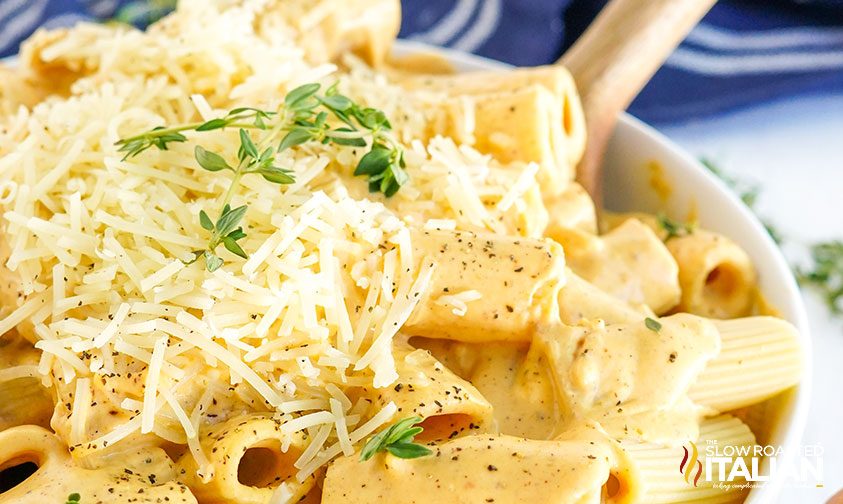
(675, 229)
(306, 116)
(653, 324)
(397, 440)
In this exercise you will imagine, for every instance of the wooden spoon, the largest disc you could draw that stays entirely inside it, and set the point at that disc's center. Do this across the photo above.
(614, 59)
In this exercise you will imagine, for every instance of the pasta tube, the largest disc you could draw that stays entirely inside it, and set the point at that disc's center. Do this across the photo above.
(23, 398)
(630, 262)
(51, 61)
(17, 90)
(248, 457)
(516, 126)
(146, 475)
(573, 208)
(662, 480)
(494, 469)
(518, 384)
(580, 300)
(760, 357)
(550, 126)
(39, 76)
(630, 378)
(511, 282)
(328, 28)
(449, 405)
(511, 376)
(765, 419)
(716, 275)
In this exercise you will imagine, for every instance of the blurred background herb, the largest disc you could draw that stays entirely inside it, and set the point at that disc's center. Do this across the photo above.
(144, 13)
(825, 272)
(748, 193)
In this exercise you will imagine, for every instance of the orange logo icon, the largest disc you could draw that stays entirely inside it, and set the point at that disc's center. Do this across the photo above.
(690, 462)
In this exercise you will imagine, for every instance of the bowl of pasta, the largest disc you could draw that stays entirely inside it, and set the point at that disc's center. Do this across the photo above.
(260, 254)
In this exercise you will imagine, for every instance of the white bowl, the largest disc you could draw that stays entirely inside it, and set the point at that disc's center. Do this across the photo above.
(627, 188)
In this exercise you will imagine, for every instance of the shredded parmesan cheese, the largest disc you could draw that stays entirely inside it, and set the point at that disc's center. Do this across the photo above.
(99, 246)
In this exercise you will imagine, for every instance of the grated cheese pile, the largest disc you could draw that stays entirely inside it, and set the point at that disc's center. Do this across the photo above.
(136, 342)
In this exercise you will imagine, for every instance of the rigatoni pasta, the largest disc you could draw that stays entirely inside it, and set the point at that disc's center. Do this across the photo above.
(144, 475)
(25, 400)
(580, 300)
(630, 379)
(629, 262)
(571, 209)
(658, 465)
(716, 276)
(565, 470)
(244, 260)
(762, 351)
(243, 460)
(519, 277)
(531, 114)
(449, 405)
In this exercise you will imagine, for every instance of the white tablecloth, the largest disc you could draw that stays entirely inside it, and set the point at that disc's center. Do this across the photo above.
(794, 150)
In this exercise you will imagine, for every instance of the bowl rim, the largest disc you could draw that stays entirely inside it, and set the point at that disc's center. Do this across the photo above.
(791, 433)
(798, 314)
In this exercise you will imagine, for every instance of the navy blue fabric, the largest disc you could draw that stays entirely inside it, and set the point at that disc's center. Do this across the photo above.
(744, 52)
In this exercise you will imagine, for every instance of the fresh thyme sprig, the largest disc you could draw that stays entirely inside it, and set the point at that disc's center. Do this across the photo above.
(675, 229)
(251, 159)
(383, 165)
(747, 192)
(161, 137)
(826, 274)
(303, 118)
(397, 440)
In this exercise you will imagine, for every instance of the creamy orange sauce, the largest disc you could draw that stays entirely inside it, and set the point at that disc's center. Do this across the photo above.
(524, 392)
(761, 306)
(629, 378)
(658, 182)
(489, 469)
(519, 278)
(513, 379)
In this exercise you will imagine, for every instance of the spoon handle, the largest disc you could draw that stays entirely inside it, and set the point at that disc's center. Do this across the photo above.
(613, 60)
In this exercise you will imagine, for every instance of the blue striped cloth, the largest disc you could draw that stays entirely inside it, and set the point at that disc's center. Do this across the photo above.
(745, 52)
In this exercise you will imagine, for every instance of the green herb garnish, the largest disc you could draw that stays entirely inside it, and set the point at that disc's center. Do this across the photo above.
(144, 13)
(73, 498)
(826, 274)
(303, 118)
(397, 440)
(652, 324)
(675, 229)
(747, 192)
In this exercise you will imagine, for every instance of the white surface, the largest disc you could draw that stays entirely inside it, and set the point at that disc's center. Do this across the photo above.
(794, 150)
